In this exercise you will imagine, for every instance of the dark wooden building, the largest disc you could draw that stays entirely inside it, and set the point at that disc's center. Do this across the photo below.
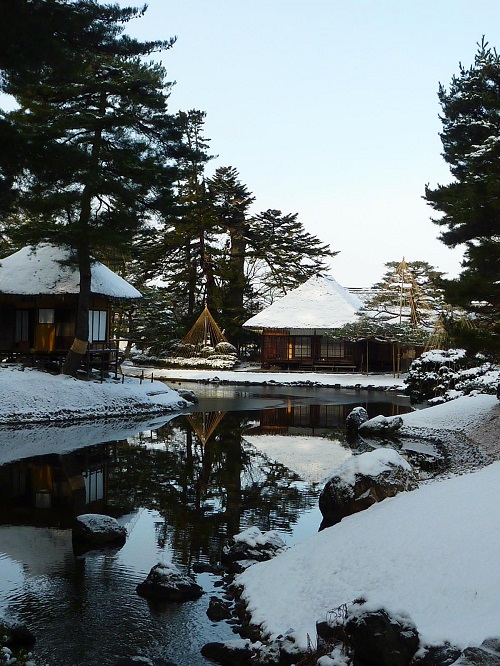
(298, 332)
(38, 303)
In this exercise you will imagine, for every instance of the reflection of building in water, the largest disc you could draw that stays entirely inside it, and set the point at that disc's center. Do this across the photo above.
(51, 490)
(318, 419)
(305, 419)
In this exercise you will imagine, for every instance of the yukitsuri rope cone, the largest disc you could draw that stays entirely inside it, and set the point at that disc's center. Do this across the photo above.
(205, 332)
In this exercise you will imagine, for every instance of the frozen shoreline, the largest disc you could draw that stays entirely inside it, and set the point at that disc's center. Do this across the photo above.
(29, 396)
(254, 376)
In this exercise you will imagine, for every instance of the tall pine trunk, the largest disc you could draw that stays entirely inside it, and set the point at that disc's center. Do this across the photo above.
(235, 296)
(79, 347)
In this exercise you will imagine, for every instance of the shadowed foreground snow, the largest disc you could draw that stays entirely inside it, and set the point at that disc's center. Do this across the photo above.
(431, 553)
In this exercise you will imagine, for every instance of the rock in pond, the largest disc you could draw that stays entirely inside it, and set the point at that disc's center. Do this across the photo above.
(250, 546)
(218, 610)
(381, 425)
(364, 480)
(166, 583)
(96, 531)
(354, 420)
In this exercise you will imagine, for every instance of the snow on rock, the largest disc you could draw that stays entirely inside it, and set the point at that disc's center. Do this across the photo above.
(98, 530)
(371, 463)
(166, 582)
(33, 396)
(354, 419)
(251, 546)
(431, 554)
(364, 480)
(381, 425)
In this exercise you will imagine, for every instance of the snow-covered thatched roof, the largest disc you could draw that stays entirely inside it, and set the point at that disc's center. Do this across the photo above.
(318, 304)
(42, 270)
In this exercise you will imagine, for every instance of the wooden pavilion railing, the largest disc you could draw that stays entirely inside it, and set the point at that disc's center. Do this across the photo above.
(103, 357)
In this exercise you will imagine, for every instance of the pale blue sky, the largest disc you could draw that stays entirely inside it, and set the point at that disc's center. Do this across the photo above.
(328, 109)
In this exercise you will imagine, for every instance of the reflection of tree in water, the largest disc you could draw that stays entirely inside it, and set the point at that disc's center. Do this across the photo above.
(205, 493)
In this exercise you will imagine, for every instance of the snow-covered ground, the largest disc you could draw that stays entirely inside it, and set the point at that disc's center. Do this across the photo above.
(252, 375)
(431, 553)
(30, 396)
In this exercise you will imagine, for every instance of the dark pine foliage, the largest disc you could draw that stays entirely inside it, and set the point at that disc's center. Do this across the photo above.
(92, 142)
(470, 204)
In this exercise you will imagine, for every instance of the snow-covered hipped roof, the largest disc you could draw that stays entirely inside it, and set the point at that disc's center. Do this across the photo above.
(319, 303)
(38, 270)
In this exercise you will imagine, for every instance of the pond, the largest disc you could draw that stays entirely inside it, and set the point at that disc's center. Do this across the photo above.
(182, 487)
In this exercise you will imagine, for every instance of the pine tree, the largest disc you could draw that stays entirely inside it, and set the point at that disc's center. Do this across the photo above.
(96, 143)
(231, 201)
(470, 204)
(408, 293)
(282, 254)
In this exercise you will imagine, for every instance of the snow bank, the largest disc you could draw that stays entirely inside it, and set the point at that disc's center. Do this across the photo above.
(255, 376)
(431, 553)
(34, 396)
(459, 414)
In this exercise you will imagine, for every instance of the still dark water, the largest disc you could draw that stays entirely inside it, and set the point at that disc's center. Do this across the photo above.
(182, 488)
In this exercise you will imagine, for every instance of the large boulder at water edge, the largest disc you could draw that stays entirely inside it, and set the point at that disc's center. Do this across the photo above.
(377, 638)
(364, 480)
(354, 420)
(166, 583)
(93, 530)
(381, 425)
(251, 546)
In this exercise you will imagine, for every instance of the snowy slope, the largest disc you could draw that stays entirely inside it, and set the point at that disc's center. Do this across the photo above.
(431, 553)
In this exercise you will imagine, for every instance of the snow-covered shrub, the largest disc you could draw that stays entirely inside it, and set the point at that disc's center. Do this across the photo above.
(442, 375)
(180, 355)
(226, 348)
(185, 350)
(207, 351)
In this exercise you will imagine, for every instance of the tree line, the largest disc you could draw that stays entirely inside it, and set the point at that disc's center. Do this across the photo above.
(94, 159)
